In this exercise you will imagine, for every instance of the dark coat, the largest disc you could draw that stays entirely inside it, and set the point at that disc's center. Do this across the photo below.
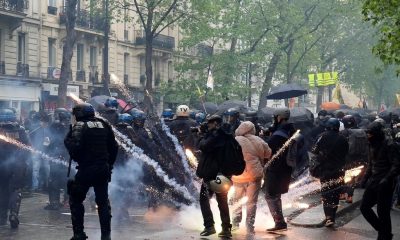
(180, 127)
(278, 174)
(213, 152)
(334, 148)
(384, 162)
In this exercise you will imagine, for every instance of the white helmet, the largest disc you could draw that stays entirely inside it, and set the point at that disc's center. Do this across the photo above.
(182, 111)
(220, 184)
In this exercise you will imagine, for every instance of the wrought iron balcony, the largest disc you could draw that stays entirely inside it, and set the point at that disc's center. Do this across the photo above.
(2, 67)
(94, 78)
(18, 6)
(84, 19)
(81, 76)
(22, 69)
(161, 41)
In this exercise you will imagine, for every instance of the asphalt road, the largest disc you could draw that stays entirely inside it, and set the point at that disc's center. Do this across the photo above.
(37, 223)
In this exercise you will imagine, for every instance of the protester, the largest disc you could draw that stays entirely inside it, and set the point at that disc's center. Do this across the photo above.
(212, 146)
(91, 143)
(358, 154)
(256, 152)
(278, 175)
(330, 150)
(181, 125)
(384, 167)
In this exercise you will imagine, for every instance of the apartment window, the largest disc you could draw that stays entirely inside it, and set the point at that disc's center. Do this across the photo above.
(79, 56)
(21, 48)
(170, 71)
(53, 3)
(142, 66)
(52, 52)
(93, 56)
(126, 63)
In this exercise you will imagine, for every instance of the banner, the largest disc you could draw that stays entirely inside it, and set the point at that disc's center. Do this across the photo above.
(323, 79)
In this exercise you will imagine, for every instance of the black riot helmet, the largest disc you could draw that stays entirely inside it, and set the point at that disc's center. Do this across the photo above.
(332, 124)
(349, 121)
(62, 114)
(83, 111)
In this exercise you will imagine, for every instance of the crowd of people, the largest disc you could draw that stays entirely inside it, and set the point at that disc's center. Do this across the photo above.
(233, 149)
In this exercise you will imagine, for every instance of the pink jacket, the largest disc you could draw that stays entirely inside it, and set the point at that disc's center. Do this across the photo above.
(255, 152)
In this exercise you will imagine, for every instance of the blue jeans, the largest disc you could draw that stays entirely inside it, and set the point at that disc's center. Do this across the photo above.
(250, 190)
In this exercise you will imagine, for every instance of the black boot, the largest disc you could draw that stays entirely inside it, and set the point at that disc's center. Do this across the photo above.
(225, 233)
(208, 231)
(79, 236)
(14, 221)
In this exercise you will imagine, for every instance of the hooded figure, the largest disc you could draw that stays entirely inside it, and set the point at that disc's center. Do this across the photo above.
(255, 153)
(384, 166)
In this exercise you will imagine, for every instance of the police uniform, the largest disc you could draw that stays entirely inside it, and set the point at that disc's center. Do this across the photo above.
(13, 164)
(91, 143)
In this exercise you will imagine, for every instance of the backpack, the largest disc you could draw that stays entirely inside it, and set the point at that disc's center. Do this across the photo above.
(233, 161)
(293, 151)
(358, 144)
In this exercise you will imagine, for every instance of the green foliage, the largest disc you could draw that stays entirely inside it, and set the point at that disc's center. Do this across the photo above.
(385, 16)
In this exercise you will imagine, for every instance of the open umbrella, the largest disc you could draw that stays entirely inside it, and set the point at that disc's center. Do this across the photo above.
(210, 107)
(330, 106)
(265, 114)
(301, 114)
(240, 105)
(286, 91)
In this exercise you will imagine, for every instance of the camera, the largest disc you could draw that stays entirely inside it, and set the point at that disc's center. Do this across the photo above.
(203, 128)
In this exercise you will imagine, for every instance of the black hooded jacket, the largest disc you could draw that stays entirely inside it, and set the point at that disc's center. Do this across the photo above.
(212, 148)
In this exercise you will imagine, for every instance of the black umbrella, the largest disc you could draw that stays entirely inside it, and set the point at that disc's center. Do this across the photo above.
(210, 107)
(301, 114)
(285, 91)
(240, 105)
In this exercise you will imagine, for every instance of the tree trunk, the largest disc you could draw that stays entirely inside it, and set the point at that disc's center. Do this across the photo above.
(148, 95)
(68, 50)
(268, 79)
(250, 83)
(320, 92)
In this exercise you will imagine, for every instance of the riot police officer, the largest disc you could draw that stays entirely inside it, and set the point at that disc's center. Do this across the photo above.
(181, 125)
(91, 143)
(110, 112)
(13, 163)
(232, 118)
(55, 147)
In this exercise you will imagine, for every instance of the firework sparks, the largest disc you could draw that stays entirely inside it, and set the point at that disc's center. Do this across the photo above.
(120, 85)
(190, 156)
(283, 148)
(75, 98)
(32, 150)
(352, 173)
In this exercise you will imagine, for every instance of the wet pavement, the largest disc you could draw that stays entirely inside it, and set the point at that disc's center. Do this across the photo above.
(37, 223)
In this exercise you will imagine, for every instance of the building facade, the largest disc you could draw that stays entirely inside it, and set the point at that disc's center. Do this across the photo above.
(32, 35)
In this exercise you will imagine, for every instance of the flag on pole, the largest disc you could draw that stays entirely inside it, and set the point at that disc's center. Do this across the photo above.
(210, 81)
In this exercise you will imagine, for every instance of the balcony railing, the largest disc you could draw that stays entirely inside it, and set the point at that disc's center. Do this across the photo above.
(22, 69)
(94, 78)
(81, 76)
(84, 19)
(161, 41)
(14, 5)
(2, 67)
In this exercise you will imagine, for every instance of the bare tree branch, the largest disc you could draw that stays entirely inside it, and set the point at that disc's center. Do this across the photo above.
(140, 14)
(163, 17)
(169, 24)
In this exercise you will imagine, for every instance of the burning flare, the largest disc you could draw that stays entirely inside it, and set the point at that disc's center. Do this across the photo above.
(352, 173)
(190, 156)
(75, 98)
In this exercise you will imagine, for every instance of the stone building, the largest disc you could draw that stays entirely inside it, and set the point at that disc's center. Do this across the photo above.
(31, 41)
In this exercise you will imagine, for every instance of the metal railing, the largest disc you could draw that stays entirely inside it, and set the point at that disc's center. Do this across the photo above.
(161, 41)
(2, 67)
(84, 19)
(18, 6)
(22, 69)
